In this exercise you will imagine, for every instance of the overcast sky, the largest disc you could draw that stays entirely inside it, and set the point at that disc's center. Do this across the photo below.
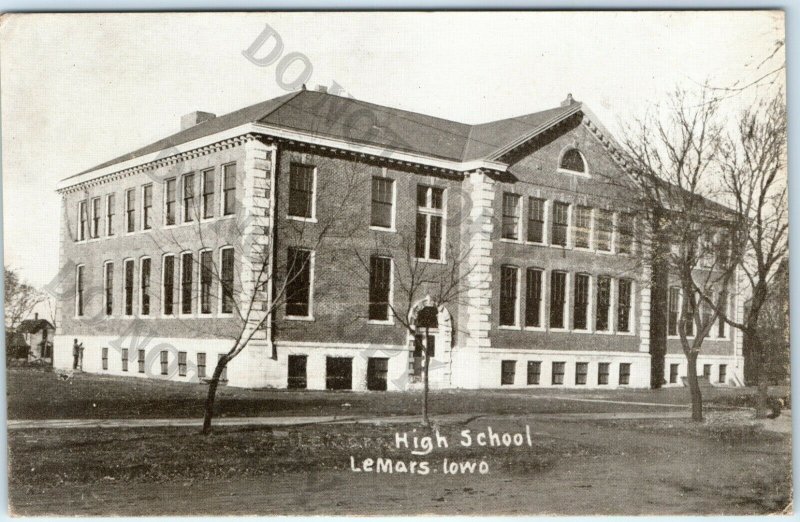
(77, 90)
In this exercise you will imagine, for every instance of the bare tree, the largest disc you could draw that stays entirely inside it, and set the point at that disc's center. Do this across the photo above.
(253, 282)
(436, 284)
(674, 154)
(20, 299)
(754, 169)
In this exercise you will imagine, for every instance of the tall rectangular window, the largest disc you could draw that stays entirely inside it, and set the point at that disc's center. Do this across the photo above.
(583, 227)
(208, 193)
(723, 373)
(707, 372)
(507, 372)
(187, 269)
(201, 365)
(723, 304)
(602, 322)
(624, 373)
(382, 201)
(95, 217)
(189, 210)
(168, 282)
(206, 275)
(430, 217)
(140, 360)
(508, 296)
(297, 377)
(110, 209)
(581, 304)
(534, 372)
(560, 223)
(144, 298)
(511, 212)
(182, 364)
(604, 228)
(301, 191)
(124, 360)
(603, 369)
(164, 362)
(104, 357)
(229, 189)
(170, 201)
(83, 220)
(625, 230)
(79, 288)
(298, 283)
(533, 298)
(129, 279)
(226, 279)
(688, 321)
(558, 373)
(558, 299)
(581, 371)
(380, 280)
(108, 283)
(673, 373)
(535, 220)
(130, 210)
(624, 305)
(147, 206)
(672, 320)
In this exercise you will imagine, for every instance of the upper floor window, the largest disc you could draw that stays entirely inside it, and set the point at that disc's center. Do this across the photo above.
(624, 300)
(511, 219)
(380, 282)
(298, 282)
(602, 321)
(226, 280)
(382, 203)
(96, 217)
(188, 198)
(129, 279)
(187, 272)
(430, 222)
(130, 210)
(228, 189)
(605, 229)
(83, 219)
(560, 223)
(509, 298)
(583, 226)
(673, 308)
(573, 160)
(147, 206)
(558, 299)
(625, 226)
(533, 298)
(206, 279)
(144, 285)
(535, 220)
(208, 193)
(79, 288)
(580, 310)
(168, 282)
(110, 208)
(170, 201)
(301, 191)
(108, 283)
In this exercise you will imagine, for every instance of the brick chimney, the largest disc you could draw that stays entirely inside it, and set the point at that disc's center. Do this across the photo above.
(36, 316)
(195, 118)
(567, 102)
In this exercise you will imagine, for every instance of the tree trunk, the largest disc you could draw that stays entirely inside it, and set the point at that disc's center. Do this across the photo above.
(425, 420)
(212, 394)
(694, 386)
(760, 374)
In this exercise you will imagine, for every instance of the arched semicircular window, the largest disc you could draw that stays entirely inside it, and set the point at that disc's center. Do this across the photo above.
(573, 160)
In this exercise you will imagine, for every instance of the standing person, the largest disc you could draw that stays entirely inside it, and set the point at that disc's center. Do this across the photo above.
(80, 359)
(76, 353)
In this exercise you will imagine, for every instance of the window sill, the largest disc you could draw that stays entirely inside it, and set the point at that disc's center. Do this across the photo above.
(299, 317)
(509, 240)
(508, 327)
(574, 173)
(386, 322)
(382, 229)
(559, 330)
(431, 261)
(535, 329)
(302, 219)
(535, 243)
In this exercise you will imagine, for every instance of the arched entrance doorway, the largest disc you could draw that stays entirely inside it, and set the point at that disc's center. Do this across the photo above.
(432, 327)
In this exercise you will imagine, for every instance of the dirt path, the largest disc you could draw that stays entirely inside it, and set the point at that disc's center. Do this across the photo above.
(648, 473)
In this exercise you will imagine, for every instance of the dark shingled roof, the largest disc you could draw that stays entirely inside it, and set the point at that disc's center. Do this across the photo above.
(361, 122)
(34, 325)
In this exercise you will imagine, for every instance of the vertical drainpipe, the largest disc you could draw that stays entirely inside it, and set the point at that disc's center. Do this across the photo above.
(273, 248)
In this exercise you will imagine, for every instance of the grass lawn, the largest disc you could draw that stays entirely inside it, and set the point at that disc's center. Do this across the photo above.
(37, 394)
(724, 466)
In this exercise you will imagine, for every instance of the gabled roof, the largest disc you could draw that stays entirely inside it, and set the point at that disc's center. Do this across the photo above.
(343, 118)
(34, 325)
